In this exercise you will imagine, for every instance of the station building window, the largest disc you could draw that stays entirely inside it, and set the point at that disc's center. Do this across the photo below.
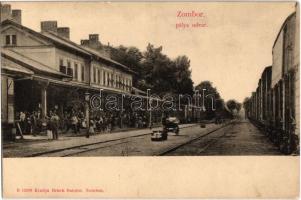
(14, 40)
(7, 39)
(115, 80)
(63, 68)
(111, 80)
(69, 69)
(98, 76)
(83, 72)
(75, 71)
(104, 78)
(94, 74)
(127, 85)
(11, 40)
(108, 79)
(61, 62)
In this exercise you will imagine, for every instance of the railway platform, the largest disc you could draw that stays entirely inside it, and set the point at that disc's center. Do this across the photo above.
(34, 146)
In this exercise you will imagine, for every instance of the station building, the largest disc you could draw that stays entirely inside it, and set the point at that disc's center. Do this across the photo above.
(45, 70)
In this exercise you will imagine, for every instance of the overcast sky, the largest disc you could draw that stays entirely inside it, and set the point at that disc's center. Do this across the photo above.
(231, 51)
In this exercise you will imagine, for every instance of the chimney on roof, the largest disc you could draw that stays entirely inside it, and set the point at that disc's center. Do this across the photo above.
(49, 26)
(5, 10)
(84, 42)
(64, 32)
(94, 38)
(94, 41)
(17, 16)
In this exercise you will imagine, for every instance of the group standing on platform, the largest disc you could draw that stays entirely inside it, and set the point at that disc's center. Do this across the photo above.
(34, 124)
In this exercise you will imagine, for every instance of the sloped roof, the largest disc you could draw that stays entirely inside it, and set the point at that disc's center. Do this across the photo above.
(87, 50)
(16, 68)
(45, 36)
(96, 53)
(31, 64)
(60, 41)
(64, 42)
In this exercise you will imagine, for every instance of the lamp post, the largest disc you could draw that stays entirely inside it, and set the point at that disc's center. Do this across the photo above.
(150, 113)
(87, 112)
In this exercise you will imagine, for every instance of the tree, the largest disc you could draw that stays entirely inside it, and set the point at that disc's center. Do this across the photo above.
(246, 106)
(233, 105)
(238, 107)
(130, 57)
(206, 89)
(212, 101)
(246, 103)
(158, 70)
(155, 70)
(182, 75)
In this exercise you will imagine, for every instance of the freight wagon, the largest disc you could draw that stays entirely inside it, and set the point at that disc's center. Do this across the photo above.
(274, 106)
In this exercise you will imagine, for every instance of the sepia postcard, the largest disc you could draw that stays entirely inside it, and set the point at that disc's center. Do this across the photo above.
(150, 99)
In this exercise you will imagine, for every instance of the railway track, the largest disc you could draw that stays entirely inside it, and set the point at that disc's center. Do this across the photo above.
(75, 150)
(176, 147)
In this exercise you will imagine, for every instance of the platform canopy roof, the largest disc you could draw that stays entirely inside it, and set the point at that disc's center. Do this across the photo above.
(23, 64)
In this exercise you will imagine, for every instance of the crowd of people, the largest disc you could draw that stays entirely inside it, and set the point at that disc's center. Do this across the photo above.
(75, 121)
